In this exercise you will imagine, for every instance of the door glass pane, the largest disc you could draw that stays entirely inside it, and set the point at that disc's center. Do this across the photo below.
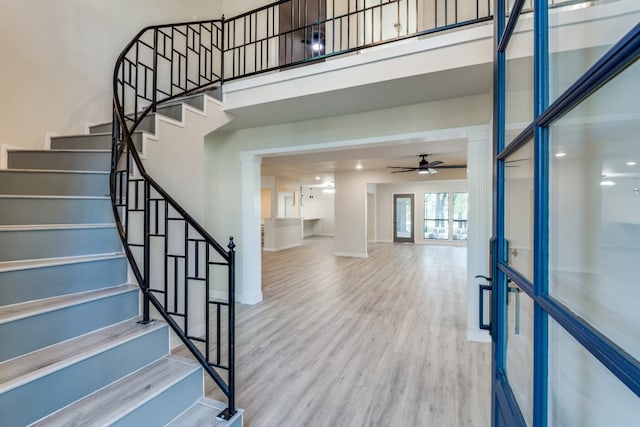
(460, 218)
(436, 216)
(519, 209)
(594, 222)
(403, 217)
(520, 348)
(519, 78)
(581, 33)
(582, 391)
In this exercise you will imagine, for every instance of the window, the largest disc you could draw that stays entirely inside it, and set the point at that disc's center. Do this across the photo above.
(436, 216)
(445, 221)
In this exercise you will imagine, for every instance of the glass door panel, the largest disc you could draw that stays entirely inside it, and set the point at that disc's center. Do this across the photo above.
(579, 36)
(403, 218)
(594, 219)
(519, 209)
(582, 392)
(519, 78)
(520, 348)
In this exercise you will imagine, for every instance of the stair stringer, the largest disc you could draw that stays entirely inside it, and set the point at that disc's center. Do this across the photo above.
(175, 154)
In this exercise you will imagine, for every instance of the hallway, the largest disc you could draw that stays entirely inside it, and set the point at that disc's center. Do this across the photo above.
(361, 342)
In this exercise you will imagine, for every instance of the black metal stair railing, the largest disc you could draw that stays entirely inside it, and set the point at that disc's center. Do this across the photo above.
(183, 272)
(294, 32)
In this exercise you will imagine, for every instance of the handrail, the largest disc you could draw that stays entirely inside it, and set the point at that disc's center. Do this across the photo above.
(165, 62)
(289, 33)
(160, 64)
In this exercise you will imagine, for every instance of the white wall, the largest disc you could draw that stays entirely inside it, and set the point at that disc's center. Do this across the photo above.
(58, 58)
(175, 155)
(321, 209)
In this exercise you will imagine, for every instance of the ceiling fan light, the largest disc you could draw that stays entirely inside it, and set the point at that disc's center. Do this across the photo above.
(423, 171)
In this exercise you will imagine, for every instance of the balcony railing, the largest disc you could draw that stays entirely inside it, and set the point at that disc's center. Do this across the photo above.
(293, 32)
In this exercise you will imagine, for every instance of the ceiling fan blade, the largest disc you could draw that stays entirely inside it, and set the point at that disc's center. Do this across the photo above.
(406, 170)
(451, 167)
(402, 167)
(434, 163)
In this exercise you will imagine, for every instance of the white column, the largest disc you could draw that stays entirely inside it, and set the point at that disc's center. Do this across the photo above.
(249, 251)
(479, 176)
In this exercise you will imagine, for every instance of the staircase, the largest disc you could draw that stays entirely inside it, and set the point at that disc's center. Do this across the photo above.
(71, 349)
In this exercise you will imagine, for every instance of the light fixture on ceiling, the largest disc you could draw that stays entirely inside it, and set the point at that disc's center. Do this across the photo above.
(316, 42)
(310, 193)
(329, 189)
(607, 183)
(359, 166)
(317, 178)
(631, 163)
(423, 171)
(561, 154)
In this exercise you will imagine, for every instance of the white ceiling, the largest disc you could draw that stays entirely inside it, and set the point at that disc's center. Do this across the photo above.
(307, 166)
(464, 81)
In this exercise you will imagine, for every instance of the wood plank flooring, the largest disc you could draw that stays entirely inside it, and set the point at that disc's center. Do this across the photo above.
(361, 342)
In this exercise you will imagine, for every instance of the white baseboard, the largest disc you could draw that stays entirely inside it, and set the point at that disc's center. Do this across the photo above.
(281, 248)
(251, 299)
(478, 335)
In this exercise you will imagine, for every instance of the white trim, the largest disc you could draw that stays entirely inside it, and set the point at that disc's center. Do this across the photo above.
(382, 140)
(250, 299)
(478, 335)
(282, 248)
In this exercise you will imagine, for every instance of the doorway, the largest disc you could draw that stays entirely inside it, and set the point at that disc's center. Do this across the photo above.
(403, 218)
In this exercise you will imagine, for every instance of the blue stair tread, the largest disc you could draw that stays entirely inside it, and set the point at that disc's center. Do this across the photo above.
(37, 364)
(111, 403)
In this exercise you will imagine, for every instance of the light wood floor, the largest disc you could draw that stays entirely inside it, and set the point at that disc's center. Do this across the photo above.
(361, 342)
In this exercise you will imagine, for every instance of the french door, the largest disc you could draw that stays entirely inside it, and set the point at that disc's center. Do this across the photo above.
(566, 247)
(403, 218)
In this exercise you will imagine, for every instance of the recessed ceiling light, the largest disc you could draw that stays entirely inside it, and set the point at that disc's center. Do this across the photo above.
(561, 154)
(317, 178)
(359, 166)
(607, 183)
(631, 163)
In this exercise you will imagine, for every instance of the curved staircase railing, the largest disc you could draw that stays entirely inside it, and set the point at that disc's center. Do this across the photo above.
(170, 254)
(180, 267)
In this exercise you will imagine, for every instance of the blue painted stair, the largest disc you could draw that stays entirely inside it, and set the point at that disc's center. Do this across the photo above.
(72, 350)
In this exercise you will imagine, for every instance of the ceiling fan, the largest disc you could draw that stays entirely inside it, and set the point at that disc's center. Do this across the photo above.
(425, 166)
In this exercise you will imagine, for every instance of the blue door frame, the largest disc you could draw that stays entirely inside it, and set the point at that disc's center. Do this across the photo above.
(505, 408)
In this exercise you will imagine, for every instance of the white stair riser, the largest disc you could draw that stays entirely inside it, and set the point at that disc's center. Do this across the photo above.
(59, 160)
(41, 330)
(43, 183)
(22, 211)
(39, 398)
(45, 282)
(50, 243)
